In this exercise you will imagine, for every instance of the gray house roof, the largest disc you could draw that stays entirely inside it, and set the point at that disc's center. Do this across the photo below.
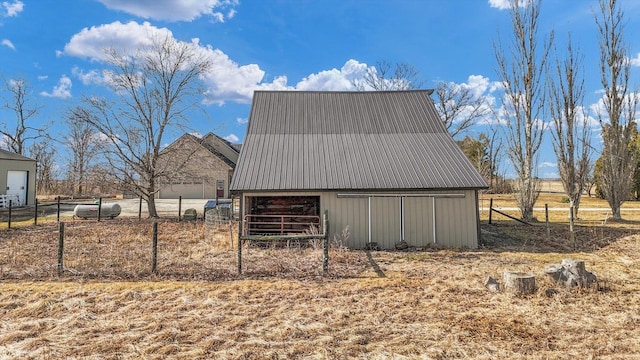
(298, 140)
(7, 155)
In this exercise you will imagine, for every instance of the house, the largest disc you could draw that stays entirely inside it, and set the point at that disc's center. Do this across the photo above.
(17, 179)
(381, 164)
(197, 167)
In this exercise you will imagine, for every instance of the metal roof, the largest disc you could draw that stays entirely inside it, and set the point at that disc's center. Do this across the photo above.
(7, 155)
(299, 140)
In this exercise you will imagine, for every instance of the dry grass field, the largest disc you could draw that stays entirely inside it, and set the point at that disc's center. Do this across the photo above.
(372, 305)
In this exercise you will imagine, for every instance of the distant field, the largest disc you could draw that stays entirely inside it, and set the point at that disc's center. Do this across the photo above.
(377, 305)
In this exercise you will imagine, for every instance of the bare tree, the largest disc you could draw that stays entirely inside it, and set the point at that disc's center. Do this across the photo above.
(619, 103)
(18, 102)
(522, 71)
(47, 171)
(570, 130)
(154, 90)
(386, 77)
(83, 143)
(458, 106)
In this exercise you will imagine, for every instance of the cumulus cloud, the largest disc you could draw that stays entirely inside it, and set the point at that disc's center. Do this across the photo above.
(242, 121)
(226, 80)
(232, 138)
(11, 9)
(60, 91)
(8, 43)
(171, 10)
(334, 79)
(92, 77)
(91, 42)
(547, 164)
(500, 4)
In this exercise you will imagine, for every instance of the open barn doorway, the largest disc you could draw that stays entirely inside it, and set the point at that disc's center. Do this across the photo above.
(281, 215)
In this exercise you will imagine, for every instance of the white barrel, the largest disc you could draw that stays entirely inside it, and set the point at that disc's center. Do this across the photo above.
(107, 210)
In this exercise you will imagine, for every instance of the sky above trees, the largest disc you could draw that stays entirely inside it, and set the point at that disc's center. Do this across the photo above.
(284, 45)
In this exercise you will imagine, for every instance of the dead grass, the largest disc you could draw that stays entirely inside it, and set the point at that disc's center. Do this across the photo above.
(373, 305)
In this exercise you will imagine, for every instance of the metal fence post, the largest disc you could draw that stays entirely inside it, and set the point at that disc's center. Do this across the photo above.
(154, 252)
(99, 207)
(10, 206)
(60, 248)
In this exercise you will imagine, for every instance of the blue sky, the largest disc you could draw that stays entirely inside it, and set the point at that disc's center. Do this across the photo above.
(278, 44)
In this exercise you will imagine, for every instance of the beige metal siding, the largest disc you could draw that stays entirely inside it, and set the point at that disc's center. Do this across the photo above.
(418, 221)
(455, 218)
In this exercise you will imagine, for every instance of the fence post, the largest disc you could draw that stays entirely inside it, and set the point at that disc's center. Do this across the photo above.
(325, 258)
(58, 208)
(490, 209)
(154, 255)
(60, 247)
(35, 215)
(140, 209)
(99, 207)
(179, 207)
(10, 206)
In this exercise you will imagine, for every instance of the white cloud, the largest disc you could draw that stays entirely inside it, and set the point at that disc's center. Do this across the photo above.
(242, 121)
(232, 138)
(91, 42)
(12, 9)
(43, 77)
(334, 79)
(636, 60)
(93, 76)
(171, 10)
(500, 4)
(547, 164)
(62, 90)
(226, 81)
(8, 43)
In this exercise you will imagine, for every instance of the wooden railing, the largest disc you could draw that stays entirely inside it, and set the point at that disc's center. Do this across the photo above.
(279, 224)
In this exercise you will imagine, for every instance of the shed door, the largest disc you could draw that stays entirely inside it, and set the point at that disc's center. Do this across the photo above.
(385, 221)
(17, 185)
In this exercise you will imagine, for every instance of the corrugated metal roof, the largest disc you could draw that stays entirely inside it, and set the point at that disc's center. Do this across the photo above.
(385, 140)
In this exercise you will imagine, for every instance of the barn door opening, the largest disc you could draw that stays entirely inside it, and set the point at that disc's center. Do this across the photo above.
(280, 215)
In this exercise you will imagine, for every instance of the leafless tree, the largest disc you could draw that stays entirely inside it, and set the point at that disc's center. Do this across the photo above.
(522, 70)
(153, 91)
(46, 167)
(386, 77)
(19, 102)
(458, 106)
(619, 103)
(570, 130)
(83, 143)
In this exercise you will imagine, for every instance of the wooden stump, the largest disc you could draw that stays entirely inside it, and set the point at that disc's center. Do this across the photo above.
(519, 282)
(570, 273)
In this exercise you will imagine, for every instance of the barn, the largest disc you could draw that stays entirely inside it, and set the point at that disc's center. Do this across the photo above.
(380, 164)
(17, 179)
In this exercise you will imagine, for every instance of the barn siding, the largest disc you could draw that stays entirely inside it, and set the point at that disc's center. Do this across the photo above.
(456, 218)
